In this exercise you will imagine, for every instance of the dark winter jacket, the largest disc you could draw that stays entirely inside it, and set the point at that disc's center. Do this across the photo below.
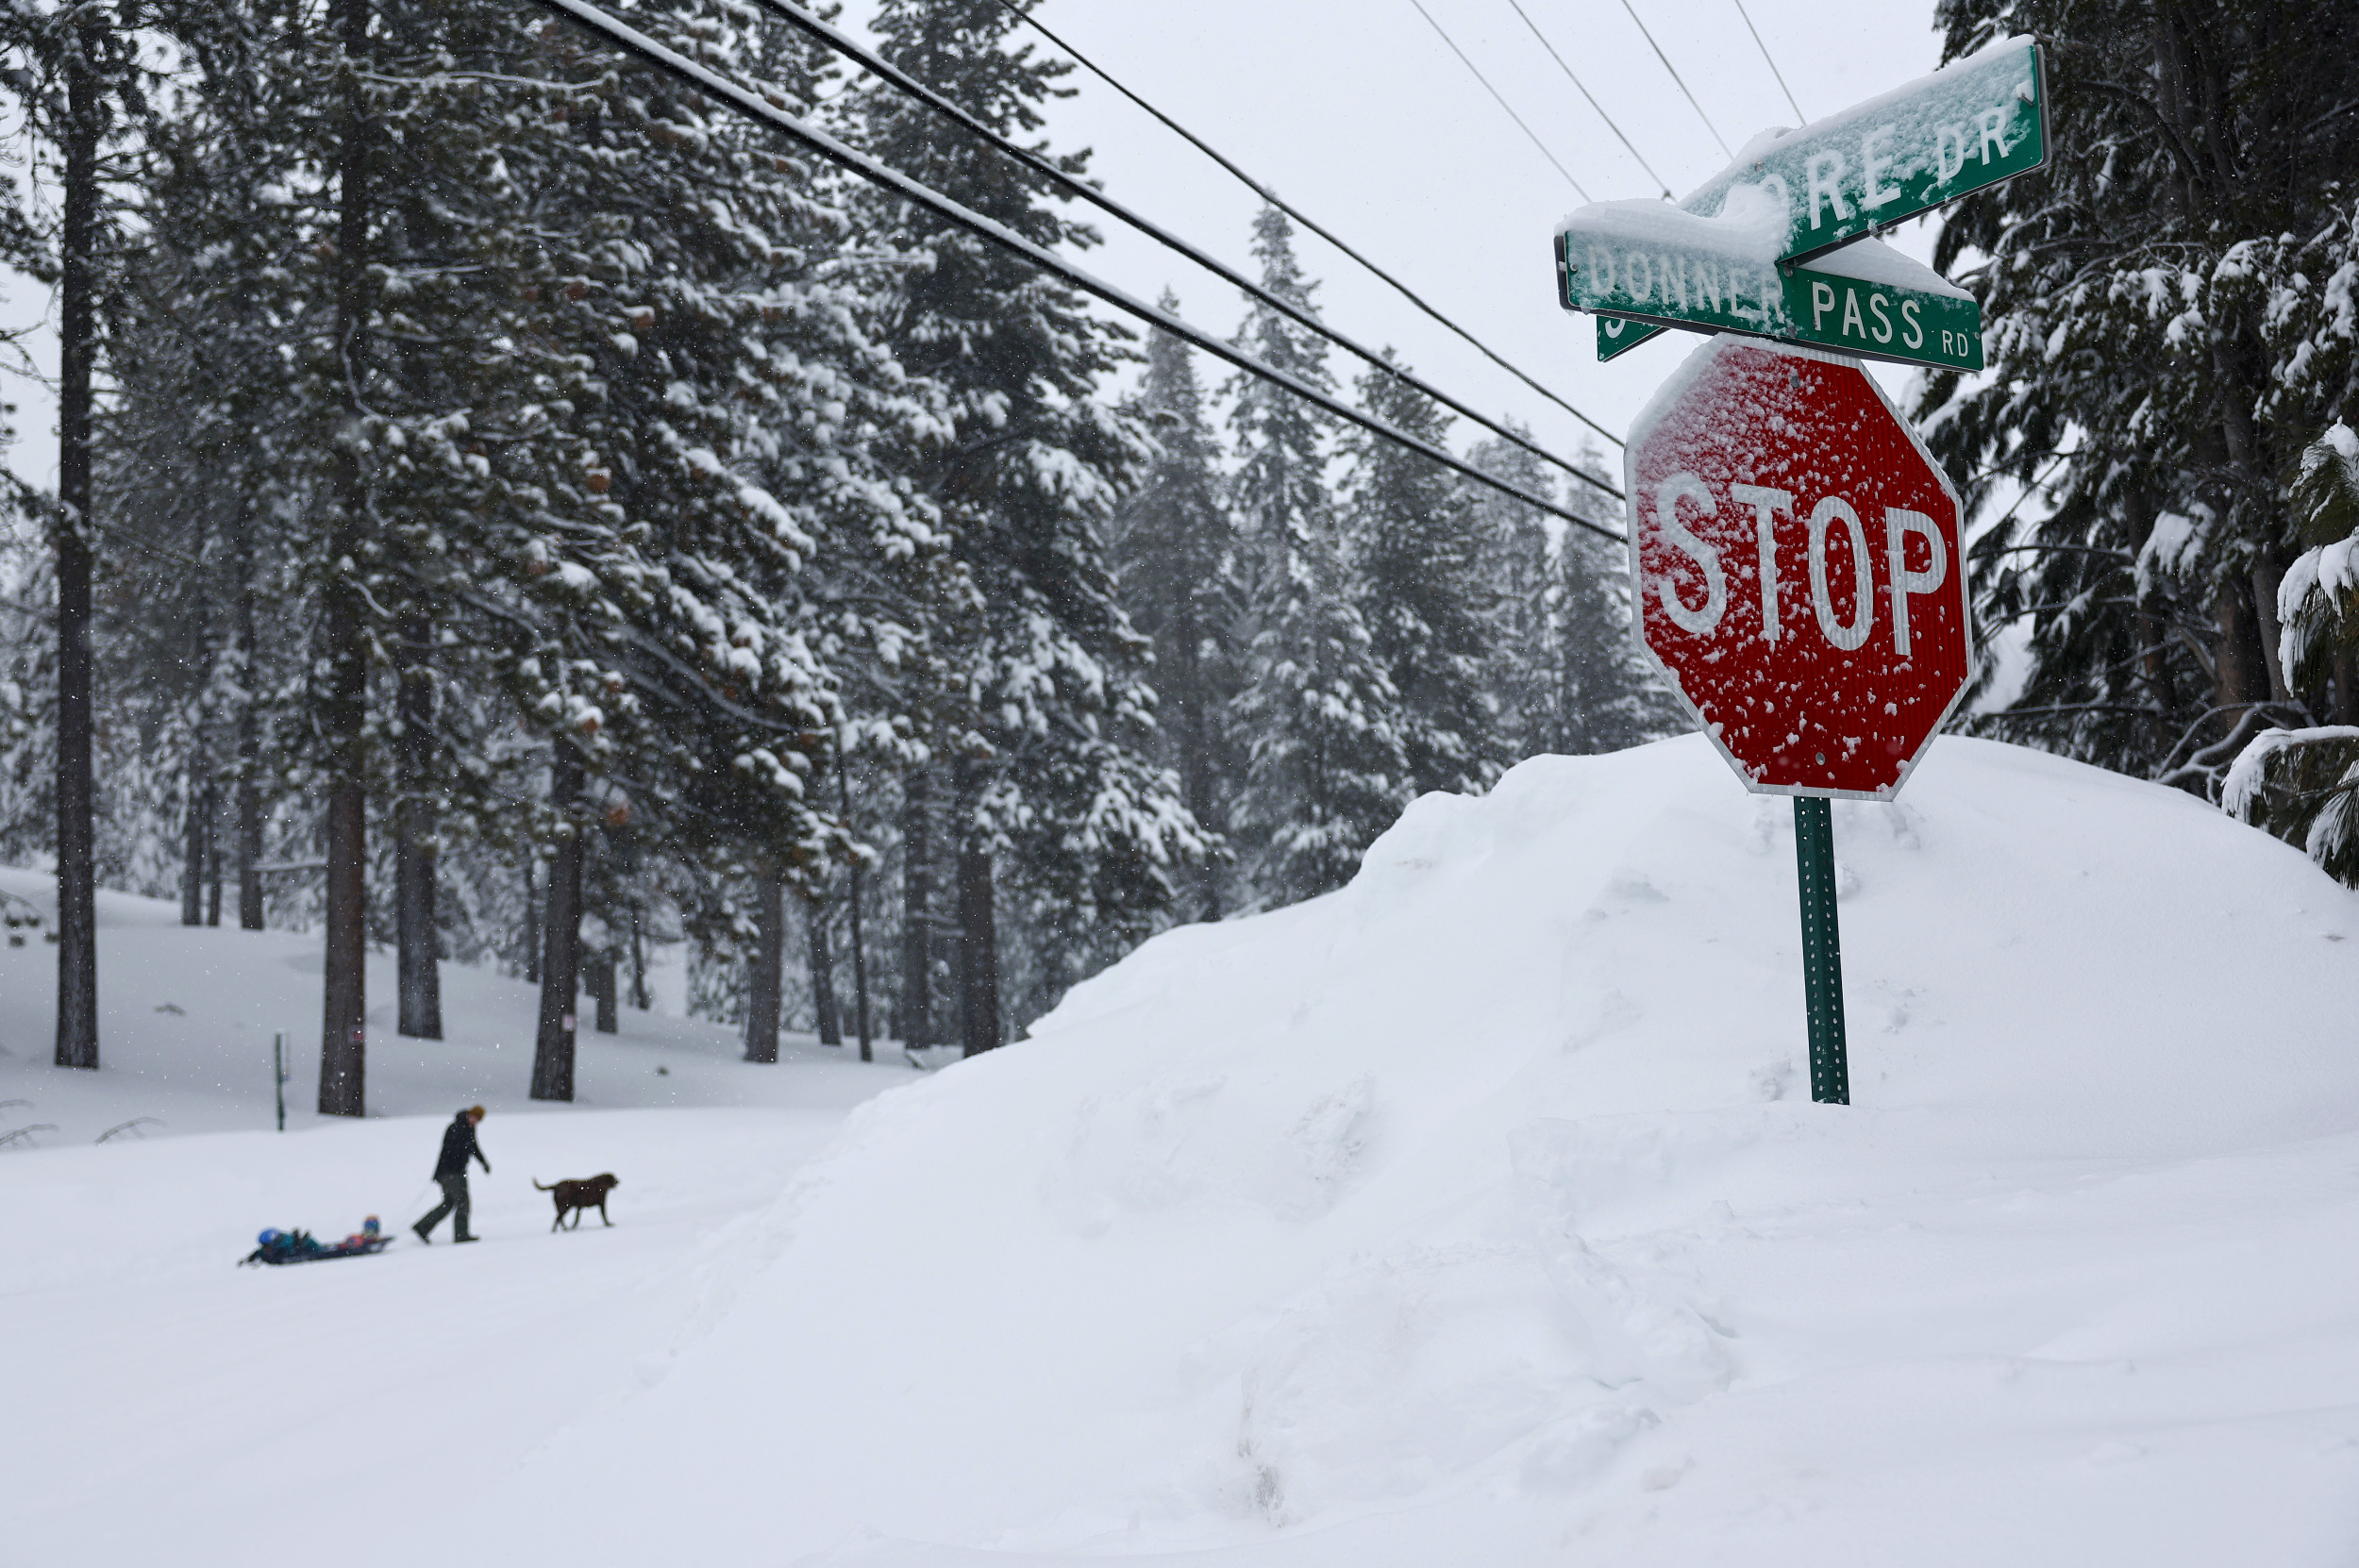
(459, 1147)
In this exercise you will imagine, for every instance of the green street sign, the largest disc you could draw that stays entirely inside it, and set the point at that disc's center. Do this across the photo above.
(1963, 128)
(1804, 194)
(1642, 263)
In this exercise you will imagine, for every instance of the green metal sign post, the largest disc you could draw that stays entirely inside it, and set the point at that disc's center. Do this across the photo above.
(1822, 951)
(1774, 417)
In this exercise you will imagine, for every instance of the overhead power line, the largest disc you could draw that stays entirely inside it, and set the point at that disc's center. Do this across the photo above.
(902, 81)
(1799, 118)
(1675, 77)
(1299, 215)
(1497, 98)
(638, 44)
(1593, 102)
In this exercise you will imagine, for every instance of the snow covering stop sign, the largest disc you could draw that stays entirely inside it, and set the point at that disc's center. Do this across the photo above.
(1797, 568)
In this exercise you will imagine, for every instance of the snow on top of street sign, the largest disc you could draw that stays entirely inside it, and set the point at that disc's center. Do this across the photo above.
(1873, 261)
(1750, 227)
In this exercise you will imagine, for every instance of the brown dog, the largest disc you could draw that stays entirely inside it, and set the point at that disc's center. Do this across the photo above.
(575, 1197)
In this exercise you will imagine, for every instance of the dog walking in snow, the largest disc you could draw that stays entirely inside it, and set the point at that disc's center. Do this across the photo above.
(574, 1197)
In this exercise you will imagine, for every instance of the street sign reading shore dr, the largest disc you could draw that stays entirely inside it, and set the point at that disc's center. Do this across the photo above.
(1796, 568)
(1966, 126)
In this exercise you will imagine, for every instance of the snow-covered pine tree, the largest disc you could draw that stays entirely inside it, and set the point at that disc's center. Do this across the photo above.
(1515, 563)
(1411, 544)
(1604, 695)
(1566, 670)
(1175, 550)
(1326, 766)
(198, 646)
(1050, 783)
(2135, 293)
(2303, 782)
(627, 458)
(753, 441)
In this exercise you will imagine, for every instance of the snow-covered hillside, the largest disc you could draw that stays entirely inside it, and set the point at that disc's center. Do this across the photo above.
(186, 1017)
(1474, 1214)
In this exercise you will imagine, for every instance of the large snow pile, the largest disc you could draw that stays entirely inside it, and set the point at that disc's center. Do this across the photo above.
(1474, 1214)
(1477, 1214)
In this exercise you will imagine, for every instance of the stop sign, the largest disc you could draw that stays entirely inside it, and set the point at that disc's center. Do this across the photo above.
(1797, 568)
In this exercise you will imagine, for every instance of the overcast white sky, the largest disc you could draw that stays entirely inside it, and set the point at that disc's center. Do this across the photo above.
(1360, 115)
(1356, 112)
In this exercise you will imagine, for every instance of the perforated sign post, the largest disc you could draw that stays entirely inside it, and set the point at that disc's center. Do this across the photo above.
(1797, 574)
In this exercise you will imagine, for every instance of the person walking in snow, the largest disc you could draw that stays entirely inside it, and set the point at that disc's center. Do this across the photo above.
(450, 1174)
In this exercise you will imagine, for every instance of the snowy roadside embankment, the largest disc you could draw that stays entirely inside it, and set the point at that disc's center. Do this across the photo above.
(1475, 1213)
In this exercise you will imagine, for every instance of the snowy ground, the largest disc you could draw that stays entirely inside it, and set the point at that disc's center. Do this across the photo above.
(168, 1406)
(1475, 1214)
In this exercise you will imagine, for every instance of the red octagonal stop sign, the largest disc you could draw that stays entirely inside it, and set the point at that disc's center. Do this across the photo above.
(1797, 568)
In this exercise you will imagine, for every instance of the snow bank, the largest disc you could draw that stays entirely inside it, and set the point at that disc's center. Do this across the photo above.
(1476, 1213)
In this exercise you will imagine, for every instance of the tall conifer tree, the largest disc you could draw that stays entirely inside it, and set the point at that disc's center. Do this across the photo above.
(1327, 767)
(1050, 784)
(1421, 592)
(1176, 552)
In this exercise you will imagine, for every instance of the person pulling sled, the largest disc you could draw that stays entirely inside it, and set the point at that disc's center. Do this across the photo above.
(450, 1174)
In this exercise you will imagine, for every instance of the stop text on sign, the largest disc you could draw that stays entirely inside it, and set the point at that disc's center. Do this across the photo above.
(1833, 521)
(1797, 573)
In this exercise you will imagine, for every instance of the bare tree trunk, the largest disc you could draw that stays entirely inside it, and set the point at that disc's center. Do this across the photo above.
(532, 918)
(419, 979)
(638, 959)
(199, 780)
(561, 982)
(212, 853)
(249, 737)
(2266, 573)
(978, 930)
(345, 710)
(2242, 666)
(344, 1038)
(193, 844)
(822, 978)
(602, 993)
(860, 952)
(78, 924)
(915, 1011)
(766, 974)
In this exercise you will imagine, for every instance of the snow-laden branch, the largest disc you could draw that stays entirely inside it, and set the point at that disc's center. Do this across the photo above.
(2248, 774)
